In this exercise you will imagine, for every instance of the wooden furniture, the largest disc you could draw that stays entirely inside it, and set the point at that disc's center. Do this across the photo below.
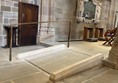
(88, 33)
(109, 36)
(27, 33)
(99, 32)
(14, 38)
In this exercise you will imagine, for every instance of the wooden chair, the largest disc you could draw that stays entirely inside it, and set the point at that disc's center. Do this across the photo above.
(109, 36)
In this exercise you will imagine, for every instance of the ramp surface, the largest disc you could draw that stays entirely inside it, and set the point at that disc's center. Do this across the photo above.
(55, 58)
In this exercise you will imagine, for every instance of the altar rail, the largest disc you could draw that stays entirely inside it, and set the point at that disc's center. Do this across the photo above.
(17, 24)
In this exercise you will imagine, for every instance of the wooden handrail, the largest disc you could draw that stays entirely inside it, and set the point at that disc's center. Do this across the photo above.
(37, 22)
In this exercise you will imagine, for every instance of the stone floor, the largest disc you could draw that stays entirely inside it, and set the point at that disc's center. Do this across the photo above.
(21, 71)
(95, 75)
(92, 47)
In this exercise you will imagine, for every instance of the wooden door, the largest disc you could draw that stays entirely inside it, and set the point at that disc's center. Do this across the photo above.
(27, 33)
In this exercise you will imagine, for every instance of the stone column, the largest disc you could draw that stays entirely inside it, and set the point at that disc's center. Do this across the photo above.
(112, 15)
(104, 14)
(0, 5)
(112, 60)
(64, 10)
(113, 54)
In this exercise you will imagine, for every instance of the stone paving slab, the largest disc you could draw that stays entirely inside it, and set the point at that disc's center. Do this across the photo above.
(6, 63)
(58, 60)
(108, 77)
(7, 82)
(89, 74)
(15, 70)
(36, 78)
(89, 81)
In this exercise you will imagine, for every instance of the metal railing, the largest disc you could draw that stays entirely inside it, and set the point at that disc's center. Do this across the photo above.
(17, 24)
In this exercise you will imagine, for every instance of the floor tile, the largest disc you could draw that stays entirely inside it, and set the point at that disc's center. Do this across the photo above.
(7, 82)
(108, 77)
(16, 70)
(89, 81)
(37, 78)
(81, 77)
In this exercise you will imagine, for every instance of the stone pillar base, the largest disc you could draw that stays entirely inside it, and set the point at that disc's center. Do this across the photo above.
(109, 64)
(112, 60)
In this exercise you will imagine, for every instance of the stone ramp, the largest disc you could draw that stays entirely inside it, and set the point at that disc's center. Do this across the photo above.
(55, 61)
(54, 58)
(62, 60)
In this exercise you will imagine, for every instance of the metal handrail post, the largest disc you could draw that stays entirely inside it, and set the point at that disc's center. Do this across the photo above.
(10, 51)
(41, 12)
(69, 34)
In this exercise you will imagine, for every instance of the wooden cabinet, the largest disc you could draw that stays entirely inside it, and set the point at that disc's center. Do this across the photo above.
(92, 33)
(99, 32)
(27, 33)
(88, 33)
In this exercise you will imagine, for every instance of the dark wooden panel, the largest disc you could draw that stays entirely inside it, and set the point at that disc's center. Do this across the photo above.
(27, 33)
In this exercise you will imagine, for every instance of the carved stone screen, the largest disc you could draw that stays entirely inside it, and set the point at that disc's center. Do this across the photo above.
(89, 10)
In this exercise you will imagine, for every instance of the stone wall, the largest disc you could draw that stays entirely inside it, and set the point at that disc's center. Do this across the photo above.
(105, 14)
(116, 7)
(60, 10)
(47, 29)
(112, 12)
(9, 14)
(108, 18)
(112, 60)
(64, 10)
